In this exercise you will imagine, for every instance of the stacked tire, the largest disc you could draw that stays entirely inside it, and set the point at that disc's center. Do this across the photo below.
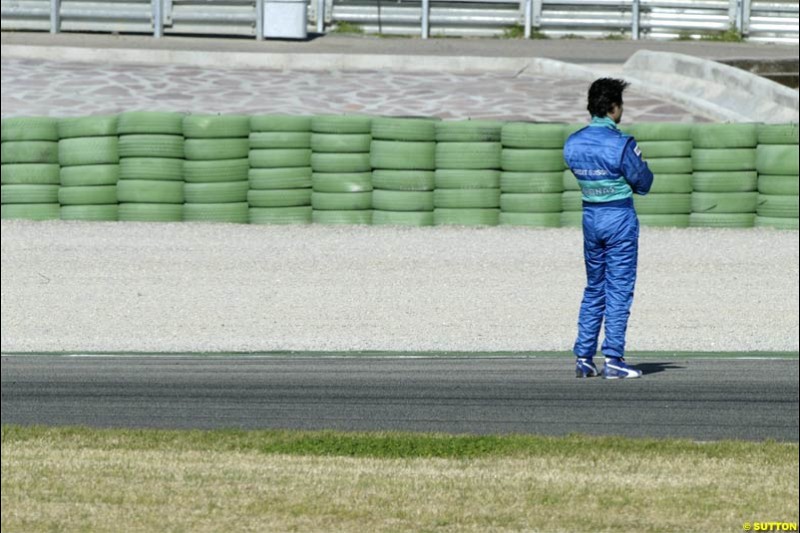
(667, 148)
(467, 177)
(724, 178)
(280, 170)
(88, 151)
(777, 166)
(403, 159)
(216, 168)
(342, 174)
(150, 187)
(30, 172)
(531, 184)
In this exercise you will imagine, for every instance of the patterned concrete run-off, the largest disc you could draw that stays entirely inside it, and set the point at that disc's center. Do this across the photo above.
(35, 87)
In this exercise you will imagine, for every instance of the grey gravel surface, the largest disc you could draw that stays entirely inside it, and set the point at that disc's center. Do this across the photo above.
(686, 398)
(213, 287)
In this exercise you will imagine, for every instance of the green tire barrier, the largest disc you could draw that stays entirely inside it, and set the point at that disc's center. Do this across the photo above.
(786, 185)
(671, 165)
(140, 160)
(724, 202)
(86, 175)
(360, 218)
(523, 160)
(656, 149)
(403, 129)
(572, 201)
(29, 194)
(158, 146)
(663, 204)
(216, 149)
(724, 136)
(531, 182)
(150, 191)
(338, 143)
(94, 126)
(341, 124)
(234, 213)
(403, 155)
(79, 151)
(468, 155)
(402, 218)
(280, 158)
(280, 123)
(340, 163)
(279, 197)
(16, 152)
(280, 178)
(50, 211)
(535, 220)
(778, 134)
(661, 131)
(215, 171)
(280, 215)
(151, 168)
(777, 206)
(150, 122)
(777, 159)
(29, 129)
(722, 220)
(348, 182)
(216, 193)
(570, 182)
(736, 181)
(402, 200)
(664, 221)
(215, 127)
(332, 201)
(30, 174)
(466, 179)
(403, 180)
(528, 135)
(88, 195)
(530, 202)
(472, 131)
(777, 223)
(671, 183)
(280, 139)
(144, 212)
(724, 159)
(572, 219)
(466, 198)
(96, 213)
(466, 217)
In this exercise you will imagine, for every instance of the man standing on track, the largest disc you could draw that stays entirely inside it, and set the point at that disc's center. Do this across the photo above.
(609, 167)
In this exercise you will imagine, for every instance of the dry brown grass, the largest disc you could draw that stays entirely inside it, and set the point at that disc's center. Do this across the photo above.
(64, 485)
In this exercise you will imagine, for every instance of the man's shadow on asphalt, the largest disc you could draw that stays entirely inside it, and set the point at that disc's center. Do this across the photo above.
(655, 368)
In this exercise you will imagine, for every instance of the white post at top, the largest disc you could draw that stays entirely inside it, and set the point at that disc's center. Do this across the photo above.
(426, 25)
(55, 16)
(158, 18)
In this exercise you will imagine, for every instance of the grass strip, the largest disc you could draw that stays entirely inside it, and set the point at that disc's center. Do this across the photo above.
(82, 479)
(384, 445)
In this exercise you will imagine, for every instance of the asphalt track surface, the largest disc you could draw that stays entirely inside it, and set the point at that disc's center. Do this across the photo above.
(695, 398)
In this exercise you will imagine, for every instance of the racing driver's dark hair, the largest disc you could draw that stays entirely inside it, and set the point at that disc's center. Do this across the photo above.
(603, 94)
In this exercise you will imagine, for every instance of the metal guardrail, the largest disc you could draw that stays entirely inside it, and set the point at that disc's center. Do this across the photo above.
(757, 20)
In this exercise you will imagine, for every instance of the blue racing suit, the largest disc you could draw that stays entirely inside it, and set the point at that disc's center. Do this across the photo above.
(609, 167)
